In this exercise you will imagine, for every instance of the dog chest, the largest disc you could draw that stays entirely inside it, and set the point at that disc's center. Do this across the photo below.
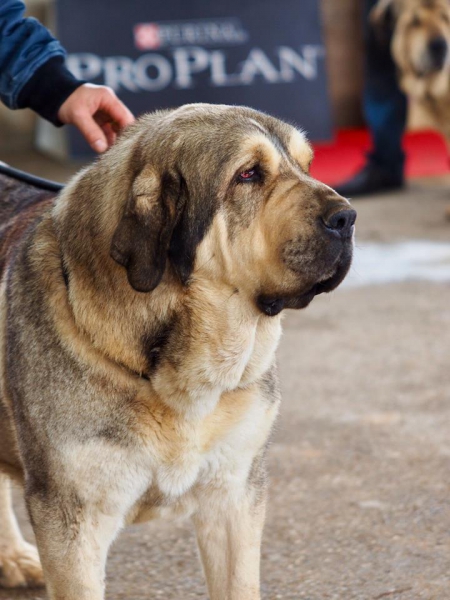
(218, 451)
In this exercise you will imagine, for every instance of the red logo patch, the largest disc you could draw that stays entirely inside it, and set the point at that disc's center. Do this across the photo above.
(146, 36)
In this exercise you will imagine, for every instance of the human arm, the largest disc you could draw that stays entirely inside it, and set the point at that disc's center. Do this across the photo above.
(33, 75)
(32, 70)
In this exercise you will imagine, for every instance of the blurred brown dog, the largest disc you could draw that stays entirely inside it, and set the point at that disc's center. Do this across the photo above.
(420, 47)
(140, 314)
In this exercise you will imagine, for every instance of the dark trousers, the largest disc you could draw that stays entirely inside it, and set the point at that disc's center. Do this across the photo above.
(384, 104)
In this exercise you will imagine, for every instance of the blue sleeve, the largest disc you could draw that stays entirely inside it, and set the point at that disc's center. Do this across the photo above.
(25, 45)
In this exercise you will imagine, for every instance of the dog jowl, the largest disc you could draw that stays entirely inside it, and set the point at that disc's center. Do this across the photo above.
(141, 312)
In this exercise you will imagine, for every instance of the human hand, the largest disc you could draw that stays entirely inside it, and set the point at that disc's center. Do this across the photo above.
(97, 112)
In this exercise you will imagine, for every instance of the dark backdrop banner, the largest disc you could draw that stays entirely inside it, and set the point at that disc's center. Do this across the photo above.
(267, 54)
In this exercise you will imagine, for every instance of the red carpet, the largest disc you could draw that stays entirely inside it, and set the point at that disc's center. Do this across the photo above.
(336, 161)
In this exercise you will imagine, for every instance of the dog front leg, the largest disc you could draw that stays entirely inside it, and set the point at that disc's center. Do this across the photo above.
(229, 533)
(73, 541)
(19, 561)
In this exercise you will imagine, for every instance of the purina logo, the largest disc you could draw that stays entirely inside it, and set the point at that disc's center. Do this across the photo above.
(203, 32)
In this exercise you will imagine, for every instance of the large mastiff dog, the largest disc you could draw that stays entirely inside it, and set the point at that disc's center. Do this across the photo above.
(140, 314)
(420, 44)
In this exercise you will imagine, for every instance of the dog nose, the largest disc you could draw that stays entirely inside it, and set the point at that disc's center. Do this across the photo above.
(438, 50)
(341, 222)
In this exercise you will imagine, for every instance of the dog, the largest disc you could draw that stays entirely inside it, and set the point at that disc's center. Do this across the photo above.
(420, 47)
(140, 314)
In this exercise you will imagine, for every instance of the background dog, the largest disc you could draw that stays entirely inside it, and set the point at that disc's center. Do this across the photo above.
(421, 50)
(140, 314)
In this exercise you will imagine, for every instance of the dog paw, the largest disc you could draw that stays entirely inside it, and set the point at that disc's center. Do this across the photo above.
(21, 567)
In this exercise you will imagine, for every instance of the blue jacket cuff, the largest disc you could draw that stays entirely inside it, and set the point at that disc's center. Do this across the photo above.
(48, 88)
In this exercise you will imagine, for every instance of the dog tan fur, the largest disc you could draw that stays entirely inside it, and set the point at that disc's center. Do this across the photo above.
(420, 48)
(140, 314)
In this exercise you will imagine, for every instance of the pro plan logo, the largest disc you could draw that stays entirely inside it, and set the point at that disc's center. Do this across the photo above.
(204, 32)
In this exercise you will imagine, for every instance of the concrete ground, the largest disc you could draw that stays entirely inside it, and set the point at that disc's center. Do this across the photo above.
(360, 462)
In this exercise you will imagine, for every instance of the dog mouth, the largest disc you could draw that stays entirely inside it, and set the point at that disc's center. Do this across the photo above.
(431, 64)
(431, 69)
(272, 305)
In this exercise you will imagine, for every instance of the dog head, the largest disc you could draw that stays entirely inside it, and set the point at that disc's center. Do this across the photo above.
(420, 42)
(224, 194)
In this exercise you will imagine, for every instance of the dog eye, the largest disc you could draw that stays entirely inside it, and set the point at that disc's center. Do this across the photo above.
(445, 18)
(249, 175)
(415, 22)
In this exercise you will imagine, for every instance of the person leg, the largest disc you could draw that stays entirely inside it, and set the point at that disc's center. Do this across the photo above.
(385, 105)
(385, 108)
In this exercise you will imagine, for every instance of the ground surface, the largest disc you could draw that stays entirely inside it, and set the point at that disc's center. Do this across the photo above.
(360, 460)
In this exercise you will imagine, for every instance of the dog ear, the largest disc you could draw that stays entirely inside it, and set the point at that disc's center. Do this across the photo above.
(141, 240)
(191, 228)
(382, 19)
